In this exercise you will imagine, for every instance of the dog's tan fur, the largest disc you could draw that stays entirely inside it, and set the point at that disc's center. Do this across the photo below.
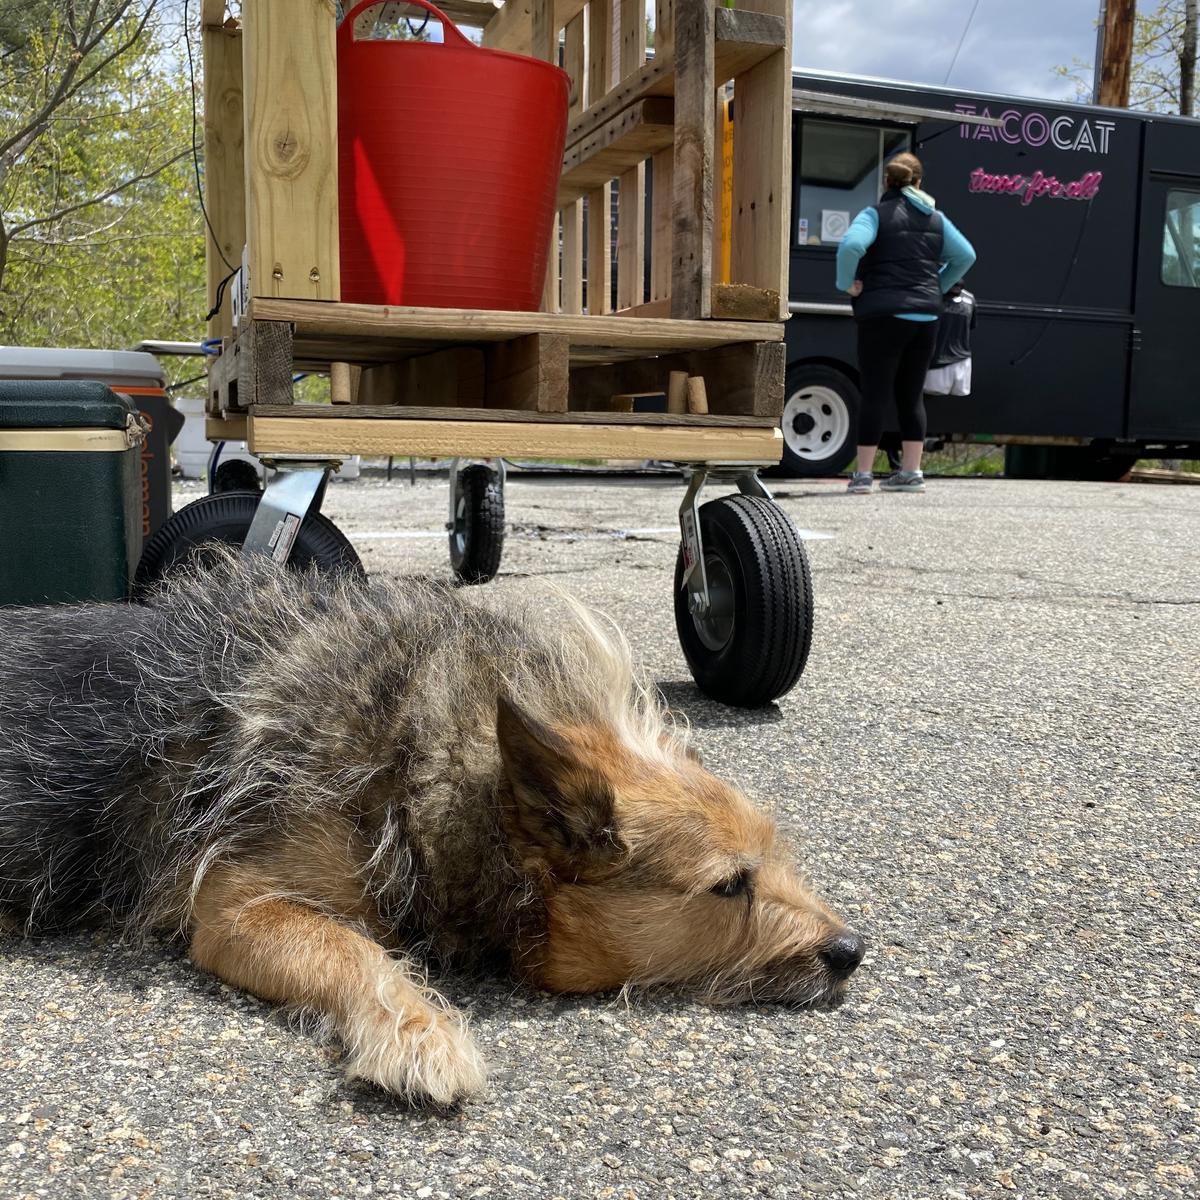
(325, 787)
(296, 926)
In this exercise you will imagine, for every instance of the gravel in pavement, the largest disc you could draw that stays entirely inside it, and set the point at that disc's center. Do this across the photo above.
(990, 766)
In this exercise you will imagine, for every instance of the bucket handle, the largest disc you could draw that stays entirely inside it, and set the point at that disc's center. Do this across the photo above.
(449, 29)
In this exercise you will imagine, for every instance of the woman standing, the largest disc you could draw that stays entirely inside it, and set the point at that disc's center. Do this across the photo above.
(897, 259)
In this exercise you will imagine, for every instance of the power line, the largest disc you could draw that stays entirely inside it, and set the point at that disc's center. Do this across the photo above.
(958, 48)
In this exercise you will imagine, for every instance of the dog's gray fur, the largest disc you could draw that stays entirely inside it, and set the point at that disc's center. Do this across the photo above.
(139, 746)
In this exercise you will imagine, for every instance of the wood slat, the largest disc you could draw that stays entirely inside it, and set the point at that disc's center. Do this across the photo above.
(224, 167)
(742, 40)
(511, 28)
(631, 187)
(629, 138)
(344, 435)
(313, 319)
(527, 373)
(730, 302)
(392, 412)
(575, 64)
(290, 100)
(599, 200)
(692, 224)
(762, 166)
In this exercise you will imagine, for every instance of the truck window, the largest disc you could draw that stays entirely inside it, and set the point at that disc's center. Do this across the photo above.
(1181, 240)
(840, 172)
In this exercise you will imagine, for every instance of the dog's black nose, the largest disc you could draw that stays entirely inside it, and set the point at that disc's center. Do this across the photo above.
(845, 952)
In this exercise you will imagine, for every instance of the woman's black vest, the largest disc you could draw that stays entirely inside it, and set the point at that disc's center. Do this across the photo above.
(900, 269)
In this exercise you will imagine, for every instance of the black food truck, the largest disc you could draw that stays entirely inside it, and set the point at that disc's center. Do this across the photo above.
(1086, 222)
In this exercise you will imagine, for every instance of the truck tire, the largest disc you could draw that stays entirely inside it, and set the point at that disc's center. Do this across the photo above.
(225, 519)
(751, 647)
(820, 421)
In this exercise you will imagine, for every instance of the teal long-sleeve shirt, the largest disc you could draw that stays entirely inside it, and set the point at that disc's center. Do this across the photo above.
(958, 254)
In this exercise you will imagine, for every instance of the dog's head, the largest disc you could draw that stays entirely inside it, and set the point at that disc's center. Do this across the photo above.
(655, 871)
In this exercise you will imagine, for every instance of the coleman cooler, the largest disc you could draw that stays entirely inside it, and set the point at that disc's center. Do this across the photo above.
(70, 492)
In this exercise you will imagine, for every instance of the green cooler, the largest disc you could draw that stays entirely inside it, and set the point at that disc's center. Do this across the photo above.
(70, 492)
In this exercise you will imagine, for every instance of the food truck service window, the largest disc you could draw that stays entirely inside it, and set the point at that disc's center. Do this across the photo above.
(1181, 240)
(841, 171)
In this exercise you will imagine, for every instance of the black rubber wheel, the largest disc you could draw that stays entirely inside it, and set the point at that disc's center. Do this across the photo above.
(225, 518)
(1097, 464)
(820, 421)
(477, 535)
(751, 647)
(236, 475)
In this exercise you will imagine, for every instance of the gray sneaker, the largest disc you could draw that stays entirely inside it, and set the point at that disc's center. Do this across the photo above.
(903, 481)
(860, 483)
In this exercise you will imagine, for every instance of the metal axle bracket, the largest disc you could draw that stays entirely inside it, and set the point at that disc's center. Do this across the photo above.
(695, 574)
(297, 487)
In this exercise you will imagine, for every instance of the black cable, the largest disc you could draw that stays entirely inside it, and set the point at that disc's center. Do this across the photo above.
(187, 41)
(216, 308)
(1016, 362)
(958, 48)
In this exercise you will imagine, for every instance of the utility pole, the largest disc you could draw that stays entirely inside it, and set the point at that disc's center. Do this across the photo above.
(1114, 53)
(1187, 60)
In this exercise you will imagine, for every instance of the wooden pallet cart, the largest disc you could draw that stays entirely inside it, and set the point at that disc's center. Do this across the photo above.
(667, 345)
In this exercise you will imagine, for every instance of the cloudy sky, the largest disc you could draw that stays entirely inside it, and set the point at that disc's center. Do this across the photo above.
(1012, 46)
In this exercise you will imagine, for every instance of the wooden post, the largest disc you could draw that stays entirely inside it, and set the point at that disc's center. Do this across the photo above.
(290, 77)
(527, 373)
(631, 202)
(691, 248)
(575, 65)
(599, 206)
(762, 166)
(224, 174)
(544, 45)
(662, 174)
(1116, 53)
(1187, 58)
(677, 392)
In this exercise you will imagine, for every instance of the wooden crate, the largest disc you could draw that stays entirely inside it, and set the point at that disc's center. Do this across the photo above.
(646, 130)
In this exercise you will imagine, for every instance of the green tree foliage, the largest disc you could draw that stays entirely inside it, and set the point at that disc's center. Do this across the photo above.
(100, 230)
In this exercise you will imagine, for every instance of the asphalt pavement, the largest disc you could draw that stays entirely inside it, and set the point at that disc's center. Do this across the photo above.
(990, 767)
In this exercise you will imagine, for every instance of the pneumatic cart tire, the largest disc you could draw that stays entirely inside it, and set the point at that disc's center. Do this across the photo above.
(225, 519)
(751, 647)
(477, 532)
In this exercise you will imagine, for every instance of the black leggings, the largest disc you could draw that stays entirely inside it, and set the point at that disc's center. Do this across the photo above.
(893, 357)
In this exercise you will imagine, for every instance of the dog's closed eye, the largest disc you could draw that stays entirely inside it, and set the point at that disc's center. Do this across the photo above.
(741, 884)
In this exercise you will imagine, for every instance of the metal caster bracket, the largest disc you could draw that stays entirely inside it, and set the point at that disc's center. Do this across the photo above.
(297, 488)
(695, 577)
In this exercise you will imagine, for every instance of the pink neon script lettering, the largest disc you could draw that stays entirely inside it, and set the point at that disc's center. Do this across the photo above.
(1038, 184)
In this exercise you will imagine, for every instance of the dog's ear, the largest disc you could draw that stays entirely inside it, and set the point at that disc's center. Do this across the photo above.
(562, 813)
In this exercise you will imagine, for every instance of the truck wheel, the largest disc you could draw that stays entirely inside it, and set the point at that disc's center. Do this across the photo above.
(236, 475)
(751, 646)
(225, 519)
(477, 531)
(820, 420)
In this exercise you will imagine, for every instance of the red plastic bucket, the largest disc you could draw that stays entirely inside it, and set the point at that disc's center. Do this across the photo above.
(448, 164)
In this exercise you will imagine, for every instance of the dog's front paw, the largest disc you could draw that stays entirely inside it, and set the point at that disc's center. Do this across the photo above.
(416, 1049)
